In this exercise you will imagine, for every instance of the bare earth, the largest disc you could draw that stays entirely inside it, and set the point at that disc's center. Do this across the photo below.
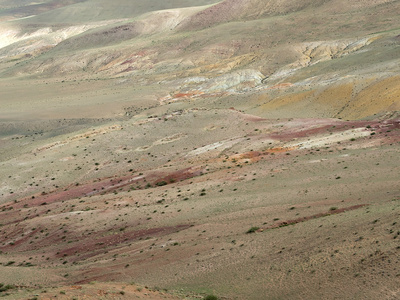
(245, 149)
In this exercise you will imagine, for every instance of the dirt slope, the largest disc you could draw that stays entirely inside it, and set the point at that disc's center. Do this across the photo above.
(174, 150)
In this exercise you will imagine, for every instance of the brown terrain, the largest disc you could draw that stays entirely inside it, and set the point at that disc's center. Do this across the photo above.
(245, 149)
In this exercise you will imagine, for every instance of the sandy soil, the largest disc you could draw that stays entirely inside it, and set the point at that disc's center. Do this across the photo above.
(241, 149)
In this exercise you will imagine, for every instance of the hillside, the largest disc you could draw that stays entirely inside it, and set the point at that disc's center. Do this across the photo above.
(177, 149)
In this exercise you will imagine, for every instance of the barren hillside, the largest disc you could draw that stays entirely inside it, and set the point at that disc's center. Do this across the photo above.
(172, 150)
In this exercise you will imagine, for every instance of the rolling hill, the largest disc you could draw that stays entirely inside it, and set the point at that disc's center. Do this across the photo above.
(178, 149)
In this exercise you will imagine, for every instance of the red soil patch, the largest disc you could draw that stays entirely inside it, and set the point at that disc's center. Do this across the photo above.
(12, 216)
(82, 246)
(105, 186)
(15, 237)
(126, 70)
(387, 130)
(280, 149)
(316, 216)
(249, 155)
(96, 244)
(179, 175)
(128, 61)
(301, 133)
(188, 94)
(334, 126)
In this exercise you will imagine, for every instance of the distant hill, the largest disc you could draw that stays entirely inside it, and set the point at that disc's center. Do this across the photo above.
(302, 44)
(83, 11)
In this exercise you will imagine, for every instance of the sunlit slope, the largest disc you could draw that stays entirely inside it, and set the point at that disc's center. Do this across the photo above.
(83, 11)
(301, 58)
(243, 148)
(237, 10)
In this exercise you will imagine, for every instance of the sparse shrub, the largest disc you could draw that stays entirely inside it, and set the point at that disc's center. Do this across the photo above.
(210, 297)
(7, 287)
(252, 229)
(333, 208)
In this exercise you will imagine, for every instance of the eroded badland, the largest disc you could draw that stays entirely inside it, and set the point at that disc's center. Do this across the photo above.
(177, 149)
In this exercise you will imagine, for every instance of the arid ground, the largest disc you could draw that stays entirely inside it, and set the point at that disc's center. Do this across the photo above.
(246, 149)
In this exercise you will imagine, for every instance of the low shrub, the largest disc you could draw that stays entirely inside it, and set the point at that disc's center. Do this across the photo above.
(252, 229)
(210, 297)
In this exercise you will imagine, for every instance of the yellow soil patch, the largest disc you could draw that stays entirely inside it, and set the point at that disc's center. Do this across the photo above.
(376, 98)
(286, 100)
(335, 97)
(341, 100)
(222, 65)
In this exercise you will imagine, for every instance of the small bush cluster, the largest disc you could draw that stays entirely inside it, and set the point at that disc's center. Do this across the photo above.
(6, 287)
(252, 229)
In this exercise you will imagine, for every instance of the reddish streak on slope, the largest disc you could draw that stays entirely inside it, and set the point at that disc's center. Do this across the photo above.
(126, 70)
(179, 175)
(105, 186)
(303, 219)
(188, 94)
(94, 245)
(85, 245)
